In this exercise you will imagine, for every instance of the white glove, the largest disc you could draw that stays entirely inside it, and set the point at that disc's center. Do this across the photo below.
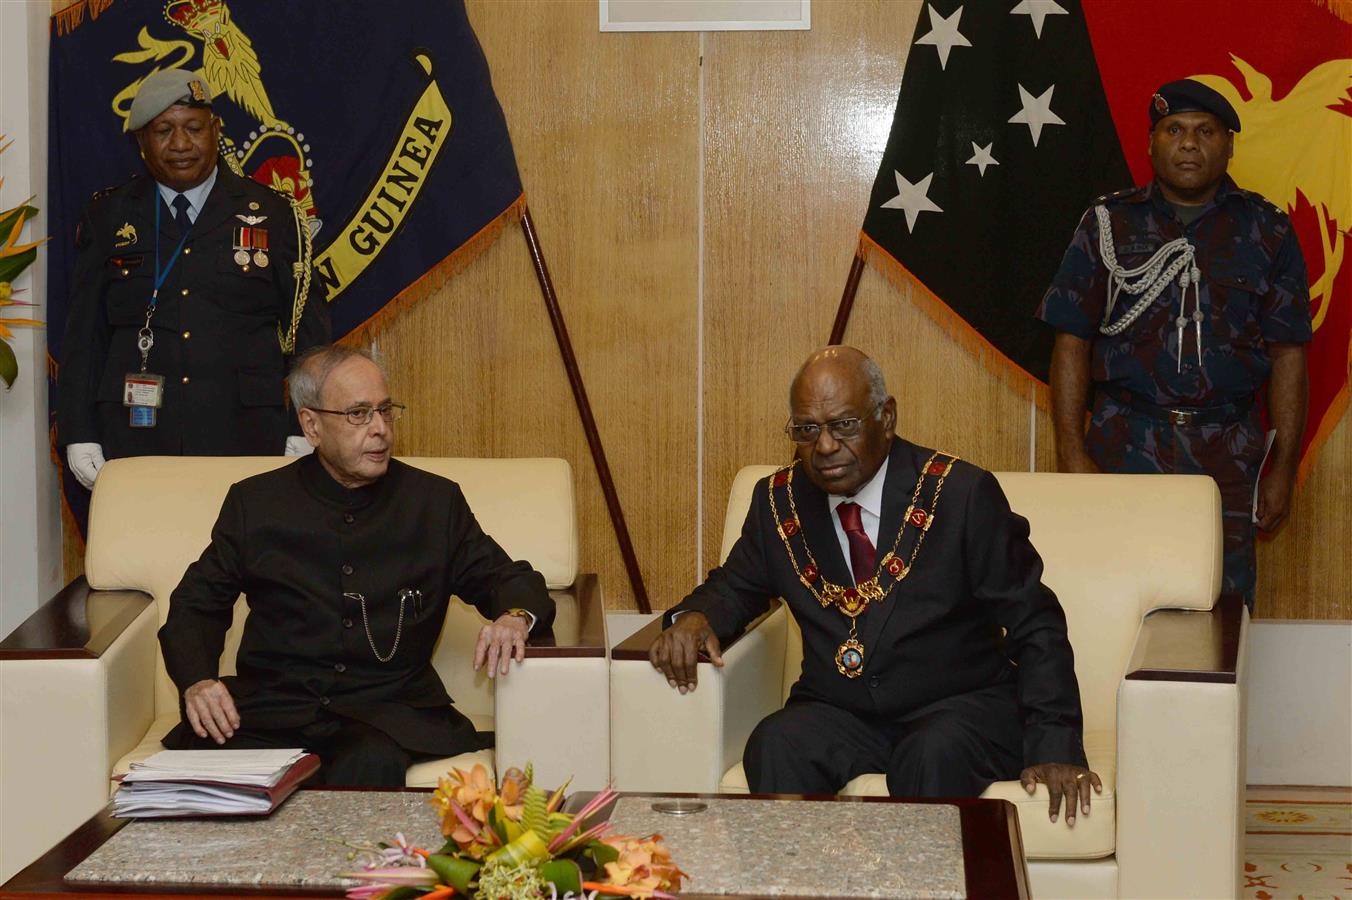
(85, 461)
(297, 445)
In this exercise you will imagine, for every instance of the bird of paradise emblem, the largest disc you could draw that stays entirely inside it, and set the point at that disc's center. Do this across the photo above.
(1300, 147)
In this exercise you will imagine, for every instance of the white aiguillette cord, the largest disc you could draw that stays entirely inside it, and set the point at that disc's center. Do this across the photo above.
(1175, 259)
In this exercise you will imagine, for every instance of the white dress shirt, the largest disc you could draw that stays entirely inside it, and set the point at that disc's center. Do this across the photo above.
(870, 500)
(197, 196)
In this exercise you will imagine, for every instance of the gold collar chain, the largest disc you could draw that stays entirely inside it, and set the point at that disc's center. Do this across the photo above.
(853, 601)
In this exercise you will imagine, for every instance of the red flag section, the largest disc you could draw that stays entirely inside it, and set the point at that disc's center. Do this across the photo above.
(1287, 69)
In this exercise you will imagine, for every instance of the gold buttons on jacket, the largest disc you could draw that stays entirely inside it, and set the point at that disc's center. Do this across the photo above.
(186, 335)
(186, 379)
(187, 251)
(185, 292)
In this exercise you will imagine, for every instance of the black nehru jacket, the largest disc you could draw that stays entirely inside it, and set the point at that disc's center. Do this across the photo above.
(215, 324)
(939, 633)
(297, 543)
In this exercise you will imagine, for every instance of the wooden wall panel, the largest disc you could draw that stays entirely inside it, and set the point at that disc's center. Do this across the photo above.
(795, 123)
(605, 131)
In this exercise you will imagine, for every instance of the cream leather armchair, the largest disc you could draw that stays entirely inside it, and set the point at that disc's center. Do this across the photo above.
(1135, 561)
(83, 690)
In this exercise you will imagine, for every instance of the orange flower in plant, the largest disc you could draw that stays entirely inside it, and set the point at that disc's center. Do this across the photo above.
(513, 794)
(644, 867)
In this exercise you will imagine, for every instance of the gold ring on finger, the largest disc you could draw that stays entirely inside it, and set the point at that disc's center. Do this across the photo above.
(1079, 776)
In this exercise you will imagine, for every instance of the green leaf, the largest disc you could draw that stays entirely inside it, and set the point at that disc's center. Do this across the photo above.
(524, 851)
(12, 266)
(564, 874)
(404, 893)
(9, 365)
(534, 816)
(459, 873)
(496, 818)
(8, 216)
(603, 853)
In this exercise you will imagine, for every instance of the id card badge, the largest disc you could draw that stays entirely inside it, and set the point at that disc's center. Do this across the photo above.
(143, 394)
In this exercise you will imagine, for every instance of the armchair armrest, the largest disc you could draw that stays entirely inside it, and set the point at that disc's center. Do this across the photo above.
(665, 741)
(546, 710)
(1180, 738)
(76, 692)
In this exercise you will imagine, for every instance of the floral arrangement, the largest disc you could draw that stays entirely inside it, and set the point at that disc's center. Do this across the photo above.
(512, 842)
(14, 258)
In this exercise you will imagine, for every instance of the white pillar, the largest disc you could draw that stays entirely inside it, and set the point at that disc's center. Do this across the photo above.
(30, 510)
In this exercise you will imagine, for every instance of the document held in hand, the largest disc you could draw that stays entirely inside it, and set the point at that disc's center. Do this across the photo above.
(212, 782)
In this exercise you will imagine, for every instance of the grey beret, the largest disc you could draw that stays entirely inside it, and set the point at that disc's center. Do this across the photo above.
(162, 90)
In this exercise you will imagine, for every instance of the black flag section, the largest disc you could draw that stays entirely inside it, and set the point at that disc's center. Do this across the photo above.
(1002, 137)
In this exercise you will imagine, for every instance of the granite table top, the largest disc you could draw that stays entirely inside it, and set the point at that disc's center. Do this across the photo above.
(743, 847)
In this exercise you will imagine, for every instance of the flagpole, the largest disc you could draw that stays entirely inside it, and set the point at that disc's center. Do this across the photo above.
(598, 452)
(847, 298)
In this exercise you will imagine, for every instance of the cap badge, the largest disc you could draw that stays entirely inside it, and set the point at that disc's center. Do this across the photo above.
(199, 91)
(1161, 105)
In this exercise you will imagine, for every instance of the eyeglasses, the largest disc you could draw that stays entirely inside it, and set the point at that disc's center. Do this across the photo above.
(362, 415)
(841, 429)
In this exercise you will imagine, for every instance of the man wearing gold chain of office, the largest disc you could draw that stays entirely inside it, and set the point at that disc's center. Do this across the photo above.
(901, 566)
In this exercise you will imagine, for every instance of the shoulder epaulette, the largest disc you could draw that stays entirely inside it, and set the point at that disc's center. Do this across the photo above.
(1119, 195)
(108, 190)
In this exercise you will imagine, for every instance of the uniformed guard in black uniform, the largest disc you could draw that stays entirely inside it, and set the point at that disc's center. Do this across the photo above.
(190, 296)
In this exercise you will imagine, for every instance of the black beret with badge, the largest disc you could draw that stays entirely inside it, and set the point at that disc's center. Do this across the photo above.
(162, 90)
(1186, 95)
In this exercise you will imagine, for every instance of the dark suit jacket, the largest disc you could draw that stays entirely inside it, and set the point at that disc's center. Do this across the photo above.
(938, 633)
(215, 325)
(297, 544)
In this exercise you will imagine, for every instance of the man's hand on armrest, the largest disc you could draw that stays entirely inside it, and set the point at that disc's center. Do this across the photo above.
(1062, 780)
(211, 710)
(676, 651)
(502, 639)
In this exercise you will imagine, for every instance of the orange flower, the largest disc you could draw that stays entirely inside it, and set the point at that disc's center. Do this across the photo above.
(644, 866)
(514, 784)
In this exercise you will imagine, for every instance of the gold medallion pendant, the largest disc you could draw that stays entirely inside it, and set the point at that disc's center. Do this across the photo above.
(850, 658)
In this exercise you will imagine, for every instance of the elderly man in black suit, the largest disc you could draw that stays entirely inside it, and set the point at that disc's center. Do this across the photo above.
(932, 651)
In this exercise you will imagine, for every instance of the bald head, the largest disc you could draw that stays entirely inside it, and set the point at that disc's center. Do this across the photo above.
(842, 387)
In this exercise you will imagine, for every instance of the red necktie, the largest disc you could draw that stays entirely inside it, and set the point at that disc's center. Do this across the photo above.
(862, 553)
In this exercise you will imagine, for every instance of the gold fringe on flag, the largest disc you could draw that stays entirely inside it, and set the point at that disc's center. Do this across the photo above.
(73, 16)
(953, 324)
(1340, 8)
(432, 280)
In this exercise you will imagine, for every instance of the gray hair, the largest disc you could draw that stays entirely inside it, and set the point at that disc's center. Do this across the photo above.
(877, 385)
(312, 368)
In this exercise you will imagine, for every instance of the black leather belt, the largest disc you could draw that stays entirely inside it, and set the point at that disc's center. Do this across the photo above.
(1184, 416)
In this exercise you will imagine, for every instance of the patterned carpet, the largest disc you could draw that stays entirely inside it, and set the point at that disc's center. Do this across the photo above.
(1298, 843)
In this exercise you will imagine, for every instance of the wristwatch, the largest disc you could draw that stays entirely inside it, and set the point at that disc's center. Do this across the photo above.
(524, 614)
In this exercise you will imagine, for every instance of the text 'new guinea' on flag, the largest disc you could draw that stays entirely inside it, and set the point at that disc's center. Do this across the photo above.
(1013, 116)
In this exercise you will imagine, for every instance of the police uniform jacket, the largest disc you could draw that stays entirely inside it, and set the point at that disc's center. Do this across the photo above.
(304, 550)
(215, 326)
(938, 633)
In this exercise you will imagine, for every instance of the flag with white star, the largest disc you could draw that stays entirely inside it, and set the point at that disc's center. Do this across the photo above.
(1002, 137)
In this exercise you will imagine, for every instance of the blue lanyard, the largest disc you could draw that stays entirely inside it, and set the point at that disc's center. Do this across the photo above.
(160, 276)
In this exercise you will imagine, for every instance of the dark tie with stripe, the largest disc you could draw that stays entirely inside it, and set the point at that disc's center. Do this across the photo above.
(862, 553)
(181, 219)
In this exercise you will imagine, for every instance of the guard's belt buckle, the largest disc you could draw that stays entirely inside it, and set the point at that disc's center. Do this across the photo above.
(1181, 417)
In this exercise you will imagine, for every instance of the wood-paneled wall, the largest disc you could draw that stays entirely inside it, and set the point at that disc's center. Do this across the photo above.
(698, 199)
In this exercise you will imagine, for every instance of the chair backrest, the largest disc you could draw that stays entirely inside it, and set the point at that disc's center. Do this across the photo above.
(1114, 547)
(152, 516)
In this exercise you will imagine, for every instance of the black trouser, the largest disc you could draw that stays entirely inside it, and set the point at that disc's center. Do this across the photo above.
(352, 753)
(952, 748)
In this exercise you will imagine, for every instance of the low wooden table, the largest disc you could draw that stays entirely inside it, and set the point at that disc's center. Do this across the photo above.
(991, 851)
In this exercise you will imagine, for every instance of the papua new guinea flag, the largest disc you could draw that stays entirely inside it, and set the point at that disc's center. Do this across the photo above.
(1014, 115)
(379, 118)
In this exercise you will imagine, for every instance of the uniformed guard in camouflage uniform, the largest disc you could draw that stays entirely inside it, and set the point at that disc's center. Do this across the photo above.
(1179, 302)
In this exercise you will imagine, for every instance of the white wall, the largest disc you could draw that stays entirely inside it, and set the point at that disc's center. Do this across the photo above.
(1300, 703)
(30, 512)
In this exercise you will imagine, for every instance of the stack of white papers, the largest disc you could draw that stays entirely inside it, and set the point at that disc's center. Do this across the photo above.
(208, 782)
